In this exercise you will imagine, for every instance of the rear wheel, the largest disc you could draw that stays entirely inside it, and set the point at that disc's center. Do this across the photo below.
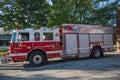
(37, 58)
(96, 52)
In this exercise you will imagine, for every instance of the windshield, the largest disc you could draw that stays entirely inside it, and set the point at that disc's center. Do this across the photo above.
(13, 37)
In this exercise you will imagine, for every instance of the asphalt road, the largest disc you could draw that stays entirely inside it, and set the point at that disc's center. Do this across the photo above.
(106, 68)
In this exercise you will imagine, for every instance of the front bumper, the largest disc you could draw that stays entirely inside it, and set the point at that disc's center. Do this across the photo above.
(6, 58)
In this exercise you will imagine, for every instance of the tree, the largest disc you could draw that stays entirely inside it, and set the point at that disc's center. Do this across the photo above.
(37, 13)
(104, 12)
(24, 13)
(83, 12)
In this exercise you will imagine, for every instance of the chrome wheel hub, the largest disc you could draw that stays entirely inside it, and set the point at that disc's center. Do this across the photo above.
(37, 59)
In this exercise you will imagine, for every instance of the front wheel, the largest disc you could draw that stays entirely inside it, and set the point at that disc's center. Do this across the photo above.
(37, 58)
(96, 52)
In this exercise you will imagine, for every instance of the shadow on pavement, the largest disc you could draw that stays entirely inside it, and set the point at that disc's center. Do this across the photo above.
(107, 63)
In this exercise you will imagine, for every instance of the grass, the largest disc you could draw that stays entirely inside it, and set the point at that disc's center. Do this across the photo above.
(1, 54)
(2, 51)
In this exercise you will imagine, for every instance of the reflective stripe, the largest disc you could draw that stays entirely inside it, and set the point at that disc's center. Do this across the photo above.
(84, 48)
(107, 46)
(79, 49)
(25, 54)
(53, 52)
(72, 50)
(18, 54)
(68, 50)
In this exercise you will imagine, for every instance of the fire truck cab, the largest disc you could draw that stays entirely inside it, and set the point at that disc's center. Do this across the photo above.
(37, 46)
(27, 44)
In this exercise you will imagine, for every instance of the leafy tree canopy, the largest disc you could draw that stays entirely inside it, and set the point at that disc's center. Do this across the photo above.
(24, 13)
(37, 13)
(101, 12)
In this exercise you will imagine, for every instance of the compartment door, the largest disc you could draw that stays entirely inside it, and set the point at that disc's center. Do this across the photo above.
(71, 43)
(108, 42)
(84, 43)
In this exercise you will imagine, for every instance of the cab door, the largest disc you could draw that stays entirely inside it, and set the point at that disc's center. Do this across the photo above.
(24, 43)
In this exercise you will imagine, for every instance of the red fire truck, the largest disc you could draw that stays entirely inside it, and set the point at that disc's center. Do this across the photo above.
(69, 40)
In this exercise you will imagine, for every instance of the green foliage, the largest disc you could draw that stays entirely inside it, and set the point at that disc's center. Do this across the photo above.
(24, 13)
(83, 12)
(3, 50)
(37, 13)
(1, 54)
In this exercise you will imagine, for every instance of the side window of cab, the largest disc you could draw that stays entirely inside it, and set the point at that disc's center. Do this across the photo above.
(48, 36)
(36, 36)
(24, 36)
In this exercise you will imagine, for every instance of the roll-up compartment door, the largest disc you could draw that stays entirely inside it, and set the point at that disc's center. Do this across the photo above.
(71, 43)
(84, 43)
(108, 42)
(96, 37)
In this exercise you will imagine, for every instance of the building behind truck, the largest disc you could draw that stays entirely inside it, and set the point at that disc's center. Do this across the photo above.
(69, 40)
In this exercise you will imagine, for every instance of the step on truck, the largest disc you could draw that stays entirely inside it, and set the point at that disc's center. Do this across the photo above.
(69, 40)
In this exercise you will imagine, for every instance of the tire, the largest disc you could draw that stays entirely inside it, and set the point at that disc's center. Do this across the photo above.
(37, 58)
(96, 53)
